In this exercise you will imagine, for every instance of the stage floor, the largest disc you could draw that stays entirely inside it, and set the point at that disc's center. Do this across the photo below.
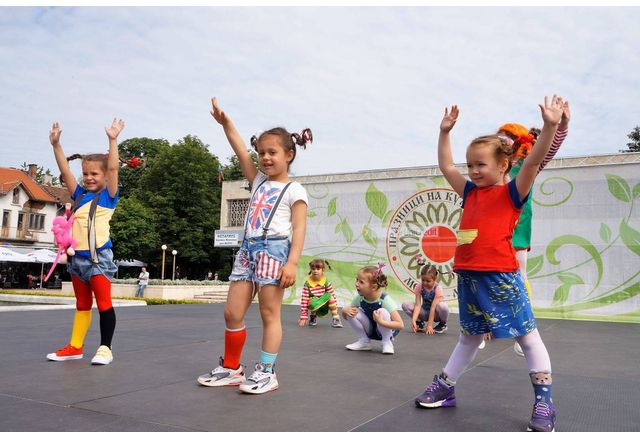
(160, 350)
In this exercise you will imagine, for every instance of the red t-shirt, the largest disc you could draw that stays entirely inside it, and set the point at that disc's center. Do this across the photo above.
(489, 216)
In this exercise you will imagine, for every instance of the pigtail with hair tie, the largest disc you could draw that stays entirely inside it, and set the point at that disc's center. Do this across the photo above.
(327, 264)
(254, 142)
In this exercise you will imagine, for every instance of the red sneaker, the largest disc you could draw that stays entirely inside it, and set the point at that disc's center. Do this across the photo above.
(66, 353)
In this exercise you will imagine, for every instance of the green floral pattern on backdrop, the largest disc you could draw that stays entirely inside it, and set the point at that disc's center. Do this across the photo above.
(571, 274)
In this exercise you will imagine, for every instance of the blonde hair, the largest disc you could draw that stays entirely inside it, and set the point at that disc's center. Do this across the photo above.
(502, 147)
(376, 276)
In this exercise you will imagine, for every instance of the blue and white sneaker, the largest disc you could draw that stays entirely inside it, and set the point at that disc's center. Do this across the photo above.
(260, 381)
(222, 376)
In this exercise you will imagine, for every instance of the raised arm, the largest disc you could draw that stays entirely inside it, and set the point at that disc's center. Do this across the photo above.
(235, 140)
(558, 138)
(445, 158)
(113, 163)
(551, 114)
(65, 171)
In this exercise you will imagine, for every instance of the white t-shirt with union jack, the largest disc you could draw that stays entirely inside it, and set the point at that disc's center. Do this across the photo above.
(263, 198)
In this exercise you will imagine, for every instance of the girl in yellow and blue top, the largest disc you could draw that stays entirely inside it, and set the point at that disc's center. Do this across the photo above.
(373, 314)
(92, 266)
(491, 292)
(268, 257)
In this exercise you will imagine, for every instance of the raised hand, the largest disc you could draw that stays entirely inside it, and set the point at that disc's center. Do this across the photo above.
(54, 134)
(551, 110)
(449, 119)
(566, 116)
(219, 115)
(116, 127)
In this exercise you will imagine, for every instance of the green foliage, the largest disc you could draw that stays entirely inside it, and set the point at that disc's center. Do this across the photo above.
(133, 231)
(376, 201)
(143, 148)
(634, 145)
(41, 173)
(181, 187)
(232, 171)
(619, 188)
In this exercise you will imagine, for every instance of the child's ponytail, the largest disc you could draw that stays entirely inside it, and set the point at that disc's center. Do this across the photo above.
(287, 139)
(376, 275)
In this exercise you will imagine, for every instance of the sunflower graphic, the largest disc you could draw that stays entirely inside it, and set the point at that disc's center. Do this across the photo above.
(423, 230)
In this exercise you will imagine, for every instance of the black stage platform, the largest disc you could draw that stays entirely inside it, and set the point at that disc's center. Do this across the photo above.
(160, 350)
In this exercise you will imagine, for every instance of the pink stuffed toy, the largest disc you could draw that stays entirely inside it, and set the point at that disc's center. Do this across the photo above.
(62, 232)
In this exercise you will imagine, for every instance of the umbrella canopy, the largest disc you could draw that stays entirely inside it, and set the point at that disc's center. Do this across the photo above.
(44, 256)
(130, 263)
(7, 255)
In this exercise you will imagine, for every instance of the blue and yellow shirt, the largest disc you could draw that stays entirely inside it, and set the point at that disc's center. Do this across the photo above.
(104, 211)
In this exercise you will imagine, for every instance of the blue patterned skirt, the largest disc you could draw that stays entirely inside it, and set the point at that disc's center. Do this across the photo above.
(495, 302)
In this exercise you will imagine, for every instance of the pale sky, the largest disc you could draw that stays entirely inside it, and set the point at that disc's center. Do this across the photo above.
(371, 82)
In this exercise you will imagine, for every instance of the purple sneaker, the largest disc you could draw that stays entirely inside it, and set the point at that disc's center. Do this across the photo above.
(438, 394)
(543, 417)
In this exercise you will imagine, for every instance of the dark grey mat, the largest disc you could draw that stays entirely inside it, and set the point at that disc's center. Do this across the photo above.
(160, 350)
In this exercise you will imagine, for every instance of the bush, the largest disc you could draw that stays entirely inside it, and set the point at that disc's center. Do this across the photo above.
(170, 282)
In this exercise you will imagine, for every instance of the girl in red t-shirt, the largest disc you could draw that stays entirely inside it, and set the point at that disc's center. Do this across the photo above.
(491, 293)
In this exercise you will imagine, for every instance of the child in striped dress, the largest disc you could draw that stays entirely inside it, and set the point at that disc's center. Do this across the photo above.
(318, 297)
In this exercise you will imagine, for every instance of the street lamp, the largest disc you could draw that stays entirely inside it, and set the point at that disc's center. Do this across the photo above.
(164, 248)
(174, 253)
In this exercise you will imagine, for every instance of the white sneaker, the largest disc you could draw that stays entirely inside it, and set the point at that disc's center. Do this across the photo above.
(222, 376)
(103, 356)
(482, 345)
(518, 349)
(260, 381)
(360, 345)
(387, 348)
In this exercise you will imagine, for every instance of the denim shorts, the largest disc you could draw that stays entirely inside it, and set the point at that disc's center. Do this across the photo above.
(84, 268)
(494, 302)
(260, 260)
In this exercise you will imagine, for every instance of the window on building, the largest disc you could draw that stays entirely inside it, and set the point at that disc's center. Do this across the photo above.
(16, 196)
(5, 218)
(36, 221)
(236, 212)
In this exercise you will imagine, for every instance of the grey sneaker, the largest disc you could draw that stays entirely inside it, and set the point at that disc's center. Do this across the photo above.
(222, 376)
(260, 381)
(437, 394)
(543, 417)
(313, 320)
(336, 323)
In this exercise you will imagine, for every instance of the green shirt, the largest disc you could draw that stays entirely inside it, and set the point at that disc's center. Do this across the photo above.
(388, 303)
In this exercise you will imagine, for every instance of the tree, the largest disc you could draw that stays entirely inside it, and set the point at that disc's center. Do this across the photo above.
(181, 187)
(134, 231)
(142, 148)
(41, 173)
(232, 171)
(634, 145)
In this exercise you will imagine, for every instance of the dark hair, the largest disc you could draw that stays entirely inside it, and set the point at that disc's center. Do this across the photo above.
(287, 140)
(319, 263)
(430, 270)
(376, 276)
